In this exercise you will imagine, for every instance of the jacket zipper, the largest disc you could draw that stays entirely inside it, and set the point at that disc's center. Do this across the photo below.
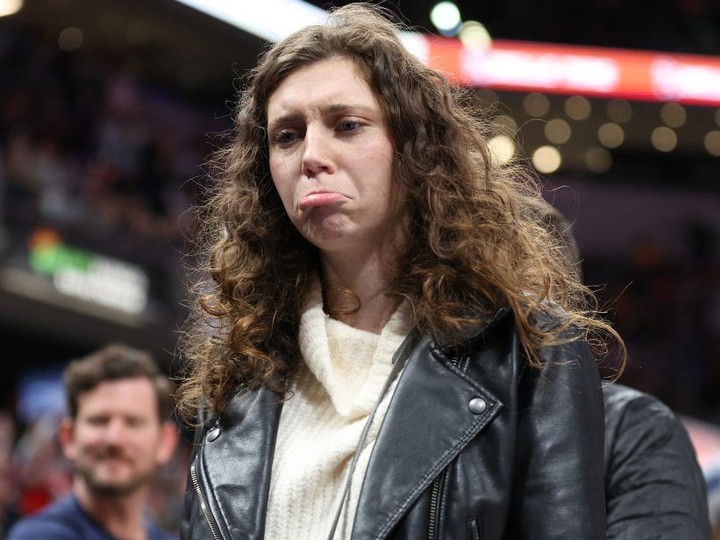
(435, 491)
(203, 504)
(435, 506)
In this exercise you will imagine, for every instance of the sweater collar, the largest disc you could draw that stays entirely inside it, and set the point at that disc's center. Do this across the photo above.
(350, 364)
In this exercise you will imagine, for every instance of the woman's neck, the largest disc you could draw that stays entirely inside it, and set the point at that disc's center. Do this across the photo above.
(370, 315)
(357, 294)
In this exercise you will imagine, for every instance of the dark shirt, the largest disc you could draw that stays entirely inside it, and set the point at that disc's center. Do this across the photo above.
(654, 485)
(66, 520)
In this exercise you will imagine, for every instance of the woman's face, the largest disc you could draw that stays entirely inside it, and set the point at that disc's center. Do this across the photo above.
(331, 157)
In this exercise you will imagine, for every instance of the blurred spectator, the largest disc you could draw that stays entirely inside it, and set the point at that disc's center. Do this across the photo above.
(118, 434)
(41, 472)
(651, 465)
(8, 494)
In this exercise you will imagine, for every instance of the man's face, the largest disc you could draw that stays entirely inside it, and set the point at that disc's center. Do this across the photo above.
(117, 440)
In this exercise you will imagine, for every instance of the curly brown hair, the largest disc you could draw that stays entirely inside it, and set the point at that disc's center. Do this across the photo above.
(473, 245)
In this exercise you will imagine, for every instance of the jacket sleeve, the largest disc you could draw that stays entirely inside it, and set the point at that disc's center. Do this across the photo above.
(560, 489)
(655, 487)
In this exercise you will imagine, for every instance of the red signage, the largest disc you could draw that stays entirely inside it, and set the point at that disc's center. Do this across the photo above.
(591, 71)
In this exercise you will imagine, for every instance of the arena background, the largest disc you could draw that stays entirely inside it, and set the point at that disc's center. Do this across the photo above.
(109, 109)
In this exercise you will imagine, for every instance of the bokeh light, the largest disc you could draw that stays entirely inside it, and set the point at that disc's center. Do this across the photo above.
(558, 131)
(9, 7)
(502, 148)
(712, 142)
(474, 35)
(664, 139)
(598, 160)
(536, 104)
(673, 115)
(446, 18)
(70, 39)
(505, 123)
(611, 135)
(619, 111)
(578, 107)
(546, 159)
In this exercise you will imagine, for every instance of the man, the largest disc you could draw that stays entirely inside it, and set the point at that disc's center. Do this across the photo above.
(117, 435)
(654, 486)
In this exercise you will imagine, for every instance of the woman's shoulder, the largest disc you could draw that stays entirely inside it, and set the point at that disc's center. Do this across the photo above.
(552, 319)
(494, 352)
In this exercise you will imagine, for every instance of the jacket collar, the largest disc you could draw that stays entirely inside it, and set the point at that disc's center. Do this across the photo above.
(429, 422)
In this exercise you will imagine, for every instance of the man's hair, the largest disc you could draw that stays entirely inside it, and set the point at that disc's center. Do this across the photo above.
(114, 362)
(472, 247)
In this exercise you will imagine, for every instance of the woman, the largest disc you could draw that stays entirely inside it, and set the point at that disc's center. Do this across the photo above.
(391, 347)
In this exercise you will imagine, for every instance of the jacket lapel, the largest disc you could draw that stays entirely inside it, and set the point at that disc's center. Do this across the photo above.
(238, 461)
(429, 421)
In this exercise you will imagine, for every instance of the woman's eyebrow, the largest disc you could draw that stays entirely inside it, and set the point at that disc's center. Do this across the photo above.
(335, 108)
(330, 109)
(286, 118)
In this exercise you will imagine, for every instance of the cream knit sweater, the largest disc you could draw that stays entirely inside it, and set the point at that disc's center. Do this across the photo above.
(320, 425)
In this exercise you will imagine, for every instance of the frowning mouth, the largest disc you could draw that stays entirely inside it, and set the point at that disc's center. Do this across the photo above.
(317, 199)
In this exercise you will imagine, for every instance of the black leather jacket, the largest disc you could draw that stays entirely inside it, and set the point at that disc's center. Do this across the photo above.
(478, 446)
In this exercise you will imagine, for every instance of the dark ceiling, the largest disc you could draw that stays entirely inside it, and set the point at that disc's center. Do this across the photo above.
(159, 40)
(691, 26)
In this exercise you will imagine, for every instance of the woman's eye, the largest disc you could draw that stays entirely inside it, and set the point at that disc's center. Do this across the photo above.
(349, 125)
(284, 137)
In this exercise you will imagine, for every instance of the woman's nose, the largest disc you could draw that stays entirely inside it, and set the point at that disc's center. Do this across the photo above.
(317, 153)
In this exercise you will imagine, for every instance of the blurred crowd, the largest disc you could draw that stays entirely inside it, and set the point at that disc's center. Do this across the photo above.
(111, 162)
(87, 146)
(668, 313)
(114, 163)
